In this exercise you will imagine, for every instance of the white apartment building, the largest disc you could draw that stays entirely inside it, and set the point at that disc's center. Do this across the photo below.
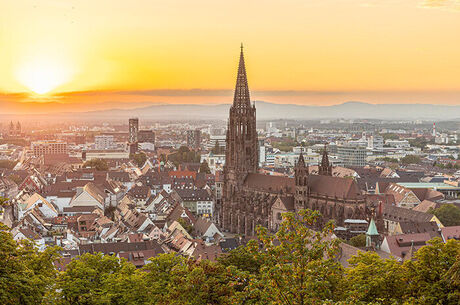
(103, 142)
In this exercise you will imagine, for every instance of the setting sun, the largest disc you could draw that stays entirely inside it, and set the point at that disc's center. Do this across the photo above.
(43, 75)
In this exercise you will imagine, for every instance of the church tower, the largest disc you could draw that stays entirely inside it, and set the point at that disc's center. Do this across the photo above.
(241, 154)
(301, 183)
(241, 151)
(325, 168)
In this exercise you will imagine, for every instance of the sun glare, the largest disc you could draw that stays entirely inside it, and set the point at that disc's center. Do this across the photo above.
(43, 75)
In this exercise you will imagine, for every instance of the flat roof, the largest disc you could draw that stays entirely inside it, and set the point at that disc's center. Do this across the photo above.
(430, 185)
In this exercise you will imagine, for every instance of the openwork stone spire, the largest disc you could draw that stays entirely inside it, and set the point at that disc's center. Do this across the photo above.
(241, 98)
(325, 168)
(301, 161)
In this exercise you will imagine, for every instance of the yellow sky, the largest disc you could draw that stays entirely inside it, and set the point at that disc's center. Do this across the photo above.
(326, 46)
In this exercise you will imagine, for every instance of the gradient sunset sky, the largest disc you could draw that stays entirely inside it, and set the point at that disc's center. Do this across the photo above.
(96, 54)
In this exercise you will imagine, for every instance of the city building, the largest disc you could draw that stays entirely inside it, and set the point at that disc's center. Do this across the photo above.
(146, 136)
(194, 139)
(146, 139)
(352, 156)
(49, 147)
(103, 142)
(133, 135)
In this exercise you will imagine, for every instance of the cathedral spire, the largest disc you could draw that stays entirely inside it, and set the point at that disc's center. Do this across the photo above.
(325, 168)
(301, 161)
(241, 98)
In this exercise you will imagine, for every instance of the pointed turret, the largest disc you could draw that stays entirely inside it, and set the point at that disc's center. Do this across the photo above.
(325, 168)
(301, 161)
(241, 98)
(372, 235)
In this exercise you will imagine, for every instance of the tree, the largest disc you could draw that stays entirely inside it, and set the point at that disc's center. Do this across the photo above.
(448, 214)
(98, 164)
(358, 241)
(242, 259)
(187, 226)
(370, 278)
(139, 158)
(298, 265)
(410, 159)
(27, 275)
(89, 278)
(390, 136)
(204, 168)
(427, 276)
(184, 154)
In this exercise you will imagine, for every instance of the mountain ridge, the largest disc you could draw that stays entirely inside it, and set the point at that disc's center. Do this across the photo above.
(267, 110)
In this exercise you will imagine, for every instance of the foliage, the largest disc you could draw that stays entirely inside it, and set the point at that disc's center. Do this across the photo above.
(411, 159)
(184, 155)
(26, 275)
(242, 259)
(294, 266)
(358, 241)
(204, 168)
(7, 164)
(89, 277)
(448, 214)
(369, 278)
(298, 265)
(427, 276)
(286, 145)
(187, 226)
(418, 142)
(390, 136)
(388, 159)
(139, 158)
(98, 164)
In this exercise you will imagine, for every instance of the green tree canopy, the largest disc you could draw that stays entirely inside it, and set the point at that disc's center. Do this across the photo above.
(411, 159)
(98, 164)
(26, 274)
(448, 214)
(139, 158)
(358, 241)
(298, 264)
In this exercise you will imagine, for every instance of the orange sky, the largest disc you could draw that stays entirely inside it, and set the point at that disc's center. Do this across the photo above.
(95, 54)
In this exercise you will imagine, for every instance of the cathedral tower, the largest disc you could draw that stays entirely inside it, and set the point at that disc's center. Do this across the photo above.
(241, 155)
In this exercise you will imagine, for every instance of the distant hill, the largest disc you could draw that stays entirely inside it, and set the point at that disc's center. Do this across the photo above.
(348, 110)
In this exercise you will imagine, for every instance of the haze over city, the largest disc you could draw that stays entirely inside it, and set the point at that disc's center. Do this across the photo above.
(93, 55)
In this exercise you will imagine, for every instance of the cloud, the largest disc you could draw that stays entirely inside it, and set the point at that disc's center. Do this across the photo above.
(442, 4)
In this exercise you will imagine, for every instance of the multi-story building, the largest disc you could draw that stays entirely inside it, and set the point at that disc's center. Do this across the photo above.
(216, 135)
(103, 142)
(133, 134)
(146, 136)
(146, 139)
(49, 147)
(352, 155)
(133, 130)
(194, 139)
